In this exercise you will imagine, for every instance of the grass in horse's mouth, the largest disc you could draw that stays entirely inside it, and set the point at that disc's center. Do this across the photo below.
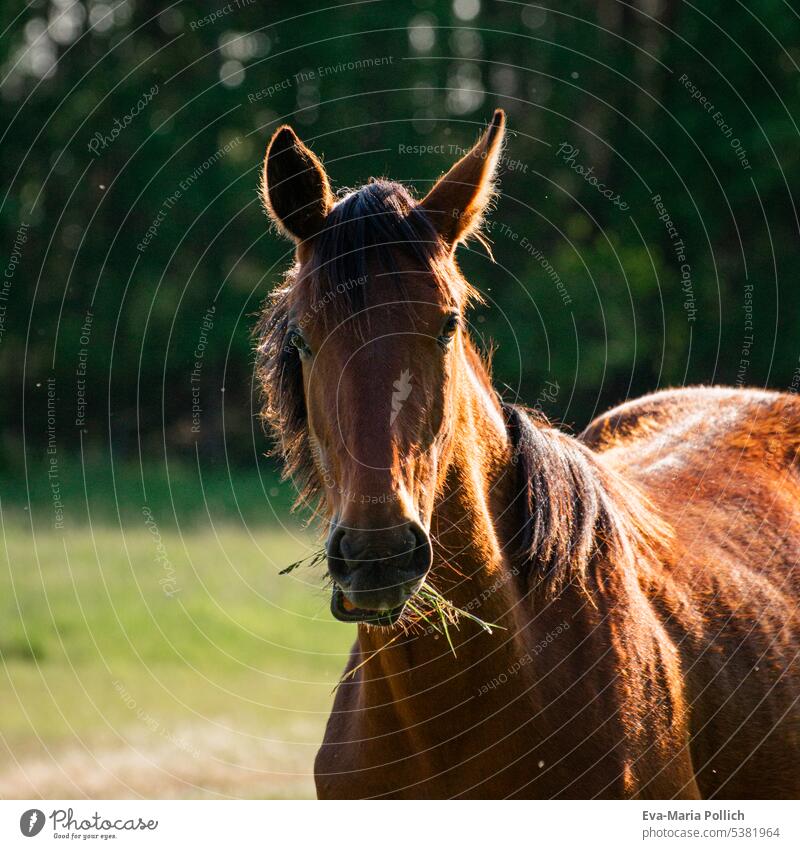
(426, 609)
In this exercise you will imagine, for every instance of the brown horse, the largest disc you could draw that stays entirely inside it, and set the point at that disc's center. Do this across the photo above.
(645, 573)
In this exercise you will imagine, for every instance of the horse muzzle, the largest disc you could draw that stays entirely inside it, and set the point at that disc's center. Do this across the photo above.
(375, 572)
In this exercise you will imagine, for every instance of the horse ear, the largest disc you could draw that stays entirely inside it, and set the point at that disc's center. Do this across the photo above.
(294, 186)
(459, 198)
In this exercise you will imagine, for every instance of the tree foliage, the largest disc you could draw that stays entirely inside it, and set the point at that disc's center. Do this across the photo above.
(646, 234)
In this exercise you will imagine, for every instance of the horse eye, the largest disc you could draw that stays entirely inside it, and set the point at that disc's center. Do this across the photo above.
(449, 327)
(296, 341)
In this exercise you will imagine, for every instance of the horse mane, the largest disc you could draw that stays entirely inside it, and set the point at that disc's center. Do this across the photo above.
(575, 512)
(367, 229)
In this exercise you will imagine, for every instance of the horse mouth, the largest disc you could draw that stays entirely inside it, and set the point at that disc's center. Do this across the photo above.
(345, 611)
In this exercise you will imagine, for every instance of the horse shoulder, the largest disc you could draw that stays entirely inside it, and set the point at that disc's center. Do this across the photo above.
(721, 467)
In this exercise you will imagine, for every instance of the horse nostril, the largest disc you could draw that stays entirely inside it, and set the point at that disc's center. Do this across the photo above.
(345, 547)
(335, 540)
(417, 536)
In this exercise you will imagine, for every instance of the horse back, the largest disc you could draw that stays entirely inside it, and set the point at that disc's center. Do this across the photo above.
(721, 466)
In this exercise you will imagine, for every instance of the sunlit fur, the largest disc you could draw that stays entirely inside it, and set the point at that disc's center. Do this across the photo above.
(575, 508)
(645, 573)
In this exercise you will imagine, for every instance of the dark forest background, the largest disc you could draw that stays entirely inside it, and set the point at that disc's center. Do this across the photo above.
(120, 118)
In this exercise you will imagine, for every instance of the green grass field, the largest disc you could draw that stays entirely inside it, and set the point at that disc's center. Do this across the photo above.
(189, 669)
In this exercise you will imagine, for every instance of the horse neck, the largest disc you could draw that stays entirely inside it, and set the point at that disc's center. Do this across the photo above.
(477, 504)
(474, 515)
(569, 599)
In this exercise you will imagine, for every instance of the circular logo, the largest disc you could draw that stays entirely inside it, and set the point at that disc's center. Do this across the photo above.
(31, 822)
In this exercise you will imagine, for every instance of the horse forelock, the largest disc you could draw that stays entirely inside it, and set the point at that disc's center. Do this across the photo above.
(378, 229)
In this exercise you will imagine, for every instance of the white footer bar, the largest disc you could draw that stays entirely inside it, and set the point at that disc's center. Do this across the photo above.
(346, 825)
